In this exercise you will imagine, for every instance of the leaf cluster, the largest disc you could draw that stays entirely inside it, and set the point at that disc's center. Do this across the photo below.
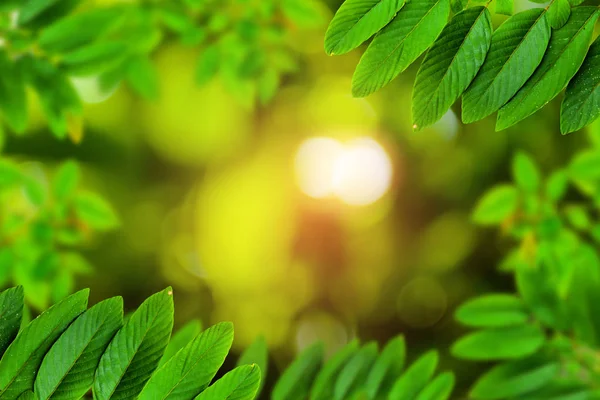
(514, 70)
(70, 349)
(44, 222)
(364, 372)
(47, 45)
(546, 337)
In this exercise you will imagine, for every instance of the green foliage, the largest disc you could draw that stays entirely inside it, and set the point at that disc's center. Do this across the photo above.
(516, 70)
(257, 353)
(68, 350)
(545, 338)
(44, 221)
(363, 372)
(51, 42)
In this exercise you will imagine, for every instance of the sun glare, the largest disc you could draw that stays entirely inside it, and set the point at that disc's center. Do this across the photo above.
(358, 172)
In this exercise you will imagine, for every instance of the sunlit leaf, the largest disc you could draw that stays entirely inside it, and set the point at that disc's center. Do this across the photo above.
(450, 65)
(566, 52)
(22, 359)
(399, 44)
(240, 384)
(67, 371)
(356, 21)
(135, 351)
(517, 48)
(581, 104)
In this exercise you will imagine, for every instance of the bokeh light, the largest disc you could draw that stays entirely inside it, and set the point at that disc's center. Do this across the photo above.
(316, 164)
(358, 172)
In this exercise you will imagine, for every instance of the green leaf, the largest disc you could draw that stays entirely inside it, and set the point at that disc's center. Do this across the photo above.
(27, 395)
(22, 359)
(57, 96)
(89, 25)
(11, 313)
(496, 205)
(94, 58)
(257, 353)
(415, 378)
(559, 12)
(180, 339)
(240, 384)
(141, 75)
(208, 64)
(387, 368)
(95, 211)
(450, 65)
(190, 371)
(557, 185)
(295, 382)
(566, 52)
(492, 311)
(67, 371)
(517, 48)
(501, 343)
(32, 8)
(514, 378)
(399, 44)
(578, 217)
(134, 353)
(505, 7)
(581, 105)
(356, 21)
(13, 99)
(354, 373)
(585, 165)
(323, 386)
(526, 173)
(65, 181)
(438, 389)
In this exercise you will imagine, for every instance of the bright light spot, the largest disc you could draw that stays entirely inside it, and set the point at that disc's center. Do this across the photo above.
(315, 163)
(363, 173)
(358, 172)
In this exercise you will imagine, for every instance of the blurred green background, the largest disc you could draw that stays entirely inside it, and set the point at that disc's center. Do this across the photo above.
(315, 216)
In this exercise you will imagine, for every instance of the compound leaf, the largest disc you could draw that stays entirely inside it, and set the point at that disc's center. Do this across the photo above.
(134, 353)
(356, 21)
(399, 44)
(67, 371)
(190, 371)
(450, 65)
(517, 48)
(22, 359)
(566, 52)
(581, 104)
(240, 384)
